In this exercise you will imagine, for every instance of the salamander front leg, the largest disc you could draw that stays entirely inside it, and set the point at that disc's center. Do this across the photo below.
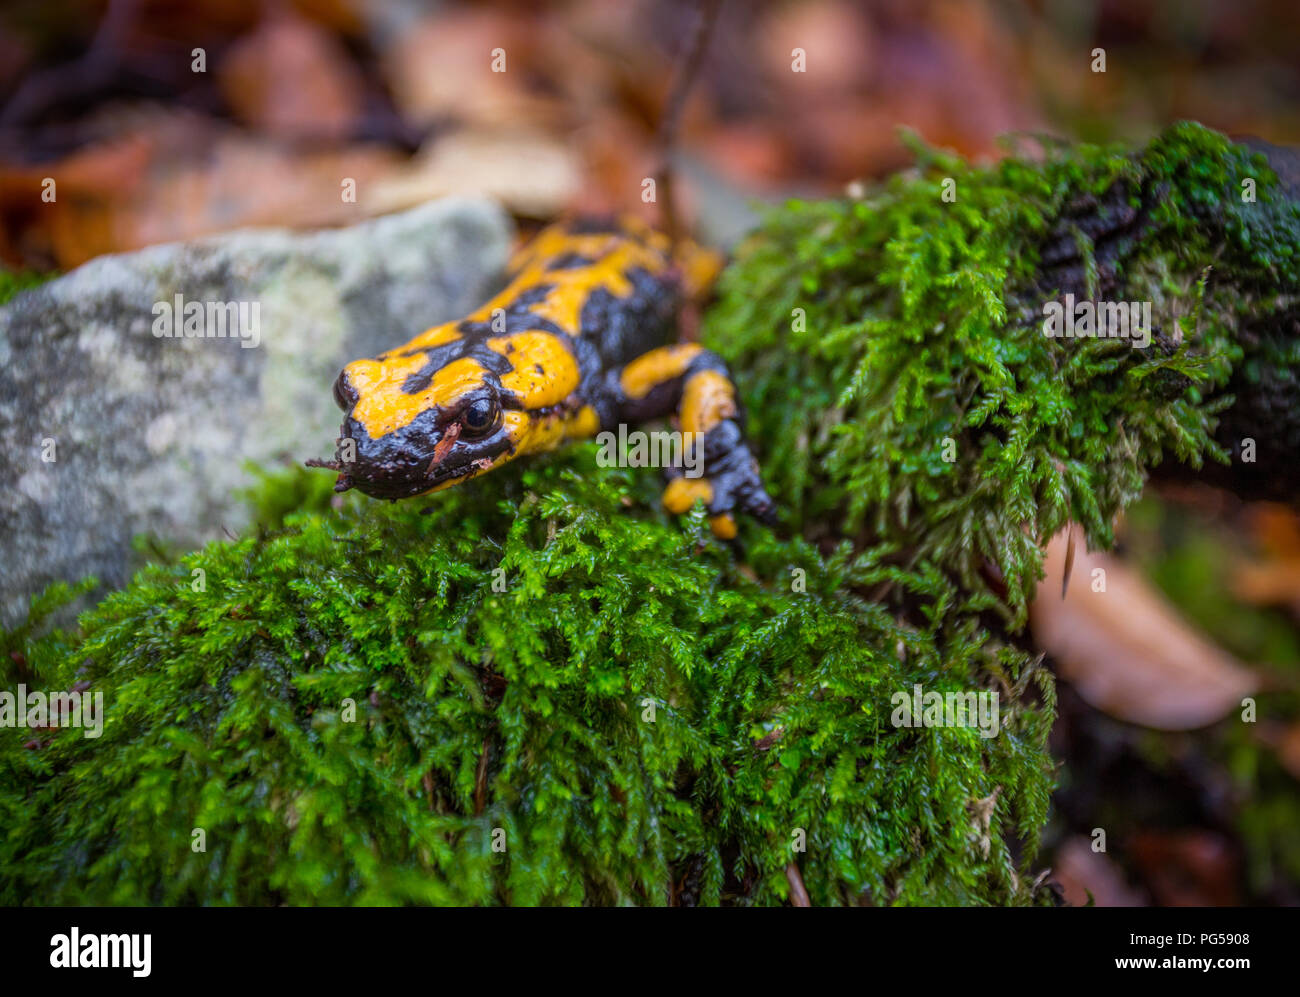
(694, 383)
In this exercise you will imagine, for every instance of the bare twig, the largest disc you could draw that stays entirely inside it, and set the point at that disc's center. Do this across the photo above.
(1069, 560)
(89, 72)
(684, 75)
(798, 892)
(480, 777)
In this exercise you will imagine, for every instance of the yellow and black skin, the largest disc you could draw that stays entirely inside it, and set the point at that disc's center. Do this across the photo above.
(579, 341)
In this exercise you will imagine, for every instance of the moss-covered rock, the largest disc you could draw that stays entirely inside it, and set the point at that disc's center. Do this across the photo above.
(544, 691)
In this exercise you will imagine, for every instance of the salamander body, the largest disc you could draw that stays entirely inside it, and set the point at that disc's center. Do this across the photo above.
(579, 341)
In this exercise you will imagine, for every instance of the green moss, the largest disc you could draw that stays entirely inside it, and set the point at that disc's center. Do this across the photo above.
(226, 713)
(871, 335)
(13, 281)
(771, 665)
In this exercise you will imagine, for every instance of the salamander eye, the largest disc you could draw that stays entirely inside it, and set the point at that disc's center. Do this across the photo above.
(479, 417)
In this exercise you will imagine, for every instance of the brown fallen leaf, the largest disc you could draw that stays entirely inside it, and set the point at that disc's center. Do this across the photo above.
(1127, 651)
(175, 175)
(1273, 578)
(529, 172)
(1193, 868)
(1081, 871)
(1274, 583)
(836, 35)
(1285, 741)
(470, 66)
(1277, 528)
(81, 221)
(293, 79)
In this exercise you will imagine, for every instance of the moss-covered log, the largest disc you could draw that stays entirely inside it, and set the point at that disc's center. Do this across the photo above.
(545, 691)
(1250, 246)
(893, 347)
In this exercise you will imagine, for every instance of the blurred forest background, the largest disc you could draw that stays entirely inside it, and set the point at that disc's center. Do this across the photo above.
(171, 119)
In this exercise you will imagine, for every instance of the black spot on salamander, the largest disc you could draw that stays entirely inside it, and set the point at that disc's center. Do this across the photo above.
(518, 317)
(570, 261)
(524, 321)
(412, 352)
(624, 328)
(440, 356)
(530, 296)
(538, 367)
(597, 225)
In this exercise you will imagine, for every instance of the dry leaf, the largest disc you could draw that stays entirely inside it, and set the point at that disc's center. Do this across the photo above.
(443, 68)
(1081, 871)
(528, 172)
(834, 34)
(1193, 868)
(1274, 578)
(1285, 741)
(1127, 651)
(81, 222)
(176, 176)
(293, 79)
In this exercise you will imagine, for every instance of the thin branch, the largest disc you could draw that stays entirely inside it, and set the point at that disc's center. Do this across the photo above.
(688, 67)
(798, 892)
(480, 777)
(91, 71)
(1069, 561)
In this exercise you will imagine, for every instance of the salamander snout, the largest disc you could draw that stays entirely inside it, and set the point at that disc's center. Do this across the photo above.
(345, 394)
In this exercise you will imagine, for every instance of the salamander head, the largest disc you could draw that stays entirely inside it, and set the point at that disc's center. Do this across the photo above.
(411, 427)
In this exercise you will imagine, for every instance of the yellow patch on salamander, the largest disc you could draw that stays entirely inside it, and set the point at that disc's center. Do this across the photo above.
(383, 407)
(654, 368)
(545, 371)
(708, 399)
(681, 494)
(613, 257)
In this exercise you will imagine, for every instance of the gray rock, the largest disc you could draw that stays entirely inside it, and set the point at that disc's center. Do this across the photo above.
(151, 434)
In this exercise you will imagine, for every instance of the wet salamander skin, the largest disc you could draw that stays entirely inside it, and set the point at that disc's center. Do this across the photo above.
(578, 342)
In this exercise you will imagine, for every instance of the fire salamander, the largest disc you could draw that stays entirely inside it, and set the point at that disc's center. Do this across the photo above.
(578, 342)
